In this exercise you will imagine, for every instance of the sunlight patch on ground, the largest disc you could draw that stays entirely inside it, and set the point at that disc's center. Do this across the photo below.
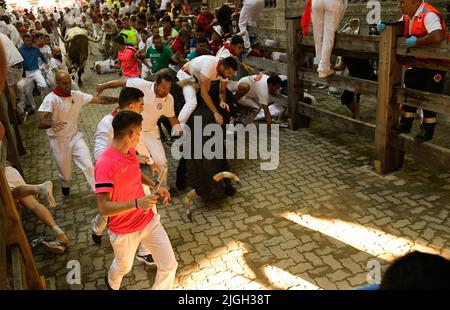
(285, 280)
(370, 240)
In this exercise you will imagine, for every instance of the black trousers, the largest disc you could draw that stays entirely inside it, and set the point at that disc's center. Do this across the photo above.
(426, 80)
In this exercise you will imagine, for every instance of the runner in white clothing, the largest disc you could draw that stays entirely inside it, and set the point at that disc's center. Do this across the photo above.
(203, 70)
(157, 102)
(58, 114)
(253, 93)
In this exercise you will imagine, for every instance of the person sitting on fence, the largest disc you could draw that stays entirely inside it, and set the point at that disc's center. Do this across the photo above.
(24, 193)
(424, 25)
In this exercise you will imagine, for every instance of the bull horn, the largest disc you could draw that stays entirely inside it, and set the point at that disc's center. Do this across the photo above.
(187, 203)
(226, 175)
(96, 40)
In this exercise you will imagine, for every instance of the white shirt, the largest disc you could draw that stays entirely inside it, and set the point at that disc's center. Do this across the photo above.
(223, 53)
(204, 65)
(154, 107)
(13, 55)
(14, 34)
(259, 91)
(65, 109)
(103, 135)
(163, 4)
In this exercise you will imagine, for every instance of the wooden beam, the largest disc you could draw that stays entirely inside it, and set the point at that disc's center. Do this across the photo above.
(267, 64)
(356, 85)
(295, 85)
(17, 268)
(425, 100)
(439, 51)
(427, 151)
(387, 158)
(366, 45)
(337, 120)
(13, 118)
(432, 64)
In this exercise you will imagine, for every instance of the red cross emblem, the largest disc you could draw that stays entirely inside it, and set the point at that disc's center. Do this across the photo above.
(437, 78)
(420, 18)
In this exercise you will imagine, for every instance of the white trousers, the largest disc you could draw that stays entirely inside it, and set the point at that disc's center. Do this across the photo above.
(190, 98)
(326, 17)
(31, 77)
(249, 12)
(64, 149)
(153, 237)
(152, 142)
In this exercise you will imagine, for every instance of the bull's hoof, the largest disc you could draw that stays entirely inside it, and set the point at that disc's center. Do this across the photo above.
(189, 216)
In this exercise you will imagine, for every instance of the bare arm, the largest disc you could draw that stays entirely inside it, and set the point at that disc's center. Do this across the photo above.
(45, 120)
(111, 84)
(104, 100)
(434, 37)
(147, 181)
(267, 115)
(205, 85)
(106, 207)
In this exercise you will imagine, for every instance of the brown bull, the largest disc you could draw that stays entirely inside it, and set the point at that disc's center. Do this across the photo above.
(76, 42)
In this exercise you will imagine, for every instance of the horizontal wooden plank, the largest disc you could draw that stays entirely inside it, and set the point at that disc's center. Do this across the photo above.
(337, 120)
(354, 43)
(433, 64)
(266, 64)
(435, 51)
(427, 151)
(428, 101)
(356, 85)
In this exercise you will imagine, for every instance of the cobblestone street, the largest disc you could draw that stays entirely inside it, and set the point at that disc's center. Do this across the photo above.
(320, 221)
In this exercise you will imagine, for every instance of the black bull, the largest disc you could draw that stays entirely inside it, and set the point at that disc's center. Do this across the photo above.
(200, 172)
(77, 54)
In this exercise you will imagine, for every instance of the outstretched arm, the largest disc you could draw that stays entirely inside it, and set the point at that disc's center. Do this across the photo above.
(112, 84)
(104, 100)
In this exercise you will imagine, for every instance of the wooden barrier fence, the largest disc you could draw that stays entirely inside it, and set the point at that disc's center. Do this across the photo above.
(388, 50)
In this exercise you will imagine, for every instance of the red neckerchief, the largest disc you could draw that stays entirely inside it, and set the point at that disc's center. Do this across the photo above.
(59, 93)
(115, 111)
(228, 47)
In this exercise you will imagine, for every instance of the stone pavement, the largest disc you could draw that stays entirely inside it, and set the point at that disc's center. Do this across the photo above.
(322, 220)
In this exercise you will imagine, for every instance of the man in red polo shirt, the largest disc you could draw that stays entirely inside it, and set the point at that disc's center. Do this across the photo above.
(120, 196)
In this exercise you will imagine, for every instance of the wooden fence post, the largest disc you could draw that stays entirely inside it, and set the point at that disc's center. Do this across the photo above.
(13, 235)
(387, 158)
(295, 85)
(13, 119)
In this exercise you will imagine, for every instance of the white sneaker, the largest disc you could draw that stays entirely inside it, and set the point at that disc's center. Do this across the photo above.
(46, 189)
